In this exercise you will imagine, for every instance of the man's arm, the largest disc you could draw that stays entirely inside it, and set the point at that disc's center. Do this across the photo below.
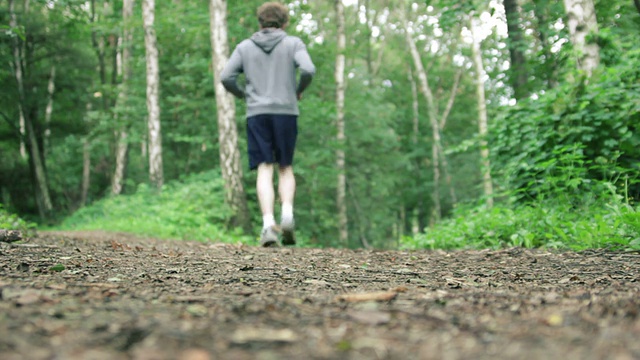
(229, 75)
(304, 63)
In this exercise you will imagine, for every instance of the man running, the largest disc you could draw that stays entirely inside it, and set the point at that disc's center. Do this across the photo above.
(269, 59)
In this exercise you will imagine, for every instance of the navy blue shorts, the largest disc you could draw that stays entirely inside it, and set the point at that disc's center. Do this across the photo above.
(271, 138)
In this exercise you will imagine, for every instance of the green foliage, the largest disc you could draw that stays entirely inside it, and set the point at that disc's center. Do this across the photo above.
(9, 221)
(599, 117)
(570, 211)
(190, 209)
(534, 225)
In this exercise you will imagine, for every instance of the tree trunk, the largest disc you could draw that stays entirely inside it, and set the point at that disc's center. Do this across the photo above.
(482, 119)
(17, 63)
(433, 119)
(122, 150)
(42, 189)
(23, 133)
(367, 8)
(49, 109)
(153, 83)
(361, 219)
(341, 202)
(98, 47)
(23, 51)
(582, 21)
(441, 125)
(86, 171)
(232, 174)
(515, 43)
(122, 145)
(540, 12)
(415, 106)
(86, 162)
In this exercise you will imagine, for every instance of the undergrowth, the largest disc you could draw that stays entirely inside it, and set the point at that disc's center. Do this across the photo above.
(190, 209)
(535, 225)
(570, 211)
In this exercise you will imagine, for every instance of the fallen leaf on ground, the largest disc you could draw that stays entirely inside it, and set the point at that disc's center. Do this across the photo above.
(29, 297)
(373, 296)
(194, 354)
(246, 335)
(370, 317)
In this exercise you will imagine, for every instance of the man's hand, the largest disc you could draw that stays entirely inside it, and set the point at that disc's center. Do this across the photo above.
(299, 96)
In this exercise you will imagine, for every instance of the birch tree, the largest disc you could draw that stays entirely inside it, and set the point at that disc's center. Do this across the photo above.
(436, 145)
(227, 131)
(86, 161)
(122, 145)
(153, 83)
(45, 205)
(582, 21)
(17, 64)
(341, 201)
(515, 43)
(540, 10)
(415, 122)
(48, 111)
(482, 117)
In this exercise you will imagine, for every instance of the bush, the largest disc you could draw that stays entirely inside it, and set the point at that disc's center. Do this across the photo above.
(534, 226)
(569, 211)
(599, 117)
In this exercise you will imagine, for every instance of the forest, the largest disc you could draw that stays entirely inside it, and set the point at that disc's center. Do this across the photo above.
(429, 124)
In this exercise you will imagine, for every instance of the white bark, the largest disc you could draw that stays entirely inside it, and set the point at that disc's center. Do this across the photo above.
(17, 63)
(122, 146)
(341, 201)
(582, 21)
(49, 109)
(441, 125)
(232, 174)
(433, 119)
(26, 127)
(86, 163)
(153, 107)
(86, 171)
(415, 106)
(482, 119)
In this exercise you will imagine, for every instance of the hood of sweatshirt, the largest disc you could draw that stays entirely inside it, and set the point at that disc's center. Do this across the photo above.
(268, 39)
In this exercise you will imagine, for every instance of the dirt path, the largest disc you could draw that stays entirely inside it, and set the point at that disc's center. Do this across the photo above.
(113, 296)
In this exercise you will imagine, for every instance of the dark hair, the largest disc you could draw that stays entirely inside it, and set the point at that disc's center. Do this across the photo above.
(273, 14)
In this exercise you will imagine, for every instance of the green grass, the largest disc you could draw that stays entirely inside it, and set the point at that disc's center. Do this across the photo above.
(192, 209)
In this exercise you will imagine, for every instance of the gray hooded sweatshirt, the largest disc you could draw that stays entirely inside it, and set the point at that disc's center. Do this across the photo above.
(269, 60)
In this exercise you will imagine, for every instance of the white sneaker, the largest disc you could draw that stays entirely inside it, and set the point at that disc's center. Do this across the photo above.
(269, 237)
(288, 235)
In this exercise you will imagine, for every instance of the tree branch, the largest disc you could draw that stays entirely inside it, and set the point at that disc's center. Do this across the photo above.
(452, 97)
(356, 204)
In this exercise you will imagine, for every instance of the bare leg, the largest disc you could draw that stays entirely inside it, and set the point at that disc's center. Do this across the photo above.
(287, 191)
(266, 195)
